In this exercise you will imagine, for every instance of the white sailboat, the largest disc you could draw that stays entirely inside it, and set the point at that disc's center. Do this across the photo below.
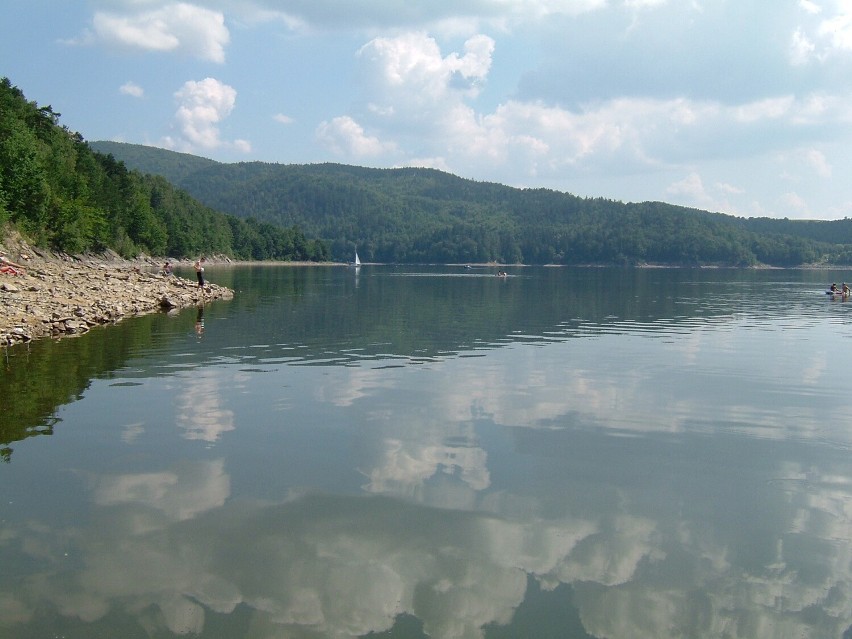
(357, 262)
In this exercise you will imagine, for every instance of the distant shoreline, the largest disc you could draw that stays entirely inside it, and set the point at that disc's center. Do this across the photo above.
(759, 267)
(226, 262)
(57, 295)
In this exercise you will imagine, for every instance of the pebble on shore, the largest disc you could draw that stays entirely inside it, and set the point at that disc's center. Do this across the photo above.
(59, 295)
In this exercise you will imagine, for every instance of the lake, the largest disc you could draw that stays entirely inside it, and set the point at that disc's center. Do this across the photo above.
(438, 452)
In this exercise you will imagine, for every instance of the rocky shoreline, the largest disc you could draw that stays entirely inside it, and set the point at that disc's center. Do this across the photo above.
(58, 295)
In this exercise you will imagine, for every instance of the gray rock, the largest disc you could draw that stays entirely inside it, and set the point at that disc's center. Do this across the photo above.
(62, 295)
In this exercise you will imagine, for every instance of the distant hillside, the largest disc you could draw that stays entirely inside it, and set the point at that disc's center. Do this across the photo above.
(425, 215)
(172, 165)
(831, 231)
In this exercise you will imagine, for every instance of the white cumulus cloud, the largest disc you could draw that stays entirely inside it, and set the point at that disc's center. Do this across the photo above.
(691, 186)
(838, 28)
(243, 146)
(801, 48)
(387, 15)
(818, 162)
(810, 7)
(202, 106)
(410, 71)
(132, 89)
(345, 136)
(826, 38)
(174, 27)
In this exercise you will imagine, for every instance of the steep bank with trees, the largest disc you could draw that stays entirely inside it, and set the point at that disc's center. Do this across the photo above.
(61, 194)
(423, 215)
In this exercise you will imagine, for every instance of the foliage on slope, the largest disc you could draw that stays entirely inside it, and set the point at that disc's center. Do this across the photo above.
(426, 215)
(60, 193)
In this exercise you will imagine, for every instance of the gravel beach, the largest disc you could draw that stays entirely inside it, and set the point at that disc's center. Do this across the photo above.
(57, 295)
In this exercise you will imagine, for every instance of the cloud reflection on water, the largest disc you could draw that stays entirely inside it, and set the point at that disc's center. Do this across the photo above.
(345, 566)
(200, 413)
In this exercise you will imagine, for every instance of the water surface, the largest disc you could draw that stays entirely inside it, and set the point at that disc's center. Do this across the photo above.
(425, 451)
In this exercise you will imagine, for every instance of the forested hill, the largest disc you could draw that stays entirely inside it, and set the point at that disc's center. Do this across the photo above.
(61, 194)
(425, 215)
(174, 166)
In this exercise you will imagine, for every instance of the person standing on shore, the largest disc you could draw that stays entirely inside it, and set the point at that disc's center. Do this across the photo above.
(199, 272)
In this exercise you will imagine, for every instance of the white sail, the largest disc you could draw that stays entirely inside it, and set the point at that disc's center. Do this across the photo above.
(357, 259)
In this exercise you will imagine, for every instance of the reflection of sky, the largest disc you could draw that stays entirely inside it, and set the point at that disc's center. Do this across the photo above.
(594, 382)
(584, 385)
(199, 412)
(170, 542)
(180, 494)
(672, 500)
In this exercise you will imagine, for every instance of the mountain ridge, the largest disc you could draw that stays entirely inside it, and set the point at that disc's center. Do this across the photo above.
(427, 215)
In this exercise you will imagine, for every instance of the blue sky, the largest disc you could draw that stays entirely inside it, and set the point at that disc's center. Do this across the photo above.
(737, 106)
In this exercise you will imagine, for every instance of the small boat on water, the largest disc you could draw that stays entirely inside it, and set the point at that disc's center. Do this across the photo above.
(357, 262)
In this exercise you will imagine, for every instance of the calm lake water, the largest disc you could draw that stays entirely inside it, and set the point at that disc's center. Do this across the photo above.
(414, 451)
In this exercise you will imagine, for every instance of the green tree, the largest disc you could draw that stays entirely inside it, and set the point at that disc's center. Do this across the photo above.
(62, 194)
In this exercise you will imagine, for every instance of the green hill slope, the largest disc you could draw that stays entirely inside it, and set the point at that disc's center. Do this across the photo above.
(425, 215)
(60, 193)
(172, 165)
